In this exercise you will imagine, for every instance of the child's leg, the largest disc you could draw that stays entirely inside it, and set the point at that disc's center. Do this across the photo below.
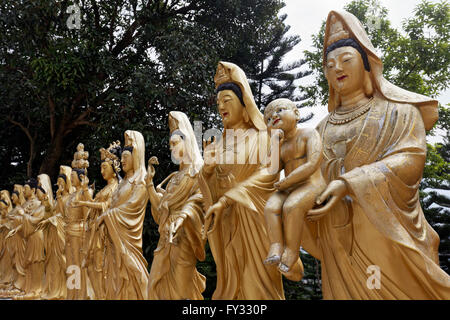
(295, 208)
(272, 213)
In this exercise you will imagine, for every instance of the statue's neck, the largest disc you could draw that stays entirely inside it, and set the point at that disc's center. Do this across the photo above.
(129, 174)
(353, 100)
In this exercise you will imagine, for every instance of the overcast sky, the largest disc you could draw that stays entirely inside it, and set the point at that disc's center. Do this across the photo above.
(305, 18)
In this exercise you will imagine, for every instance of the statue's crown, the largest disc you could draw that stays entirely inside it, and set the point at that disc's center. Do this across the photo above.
(337, 31)
(223, 75)
(108, 155)
(80, 158)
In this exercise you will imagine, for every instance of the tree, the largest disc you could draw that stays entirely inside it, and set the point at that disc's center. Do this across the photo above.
(128, 64)
(435, 189)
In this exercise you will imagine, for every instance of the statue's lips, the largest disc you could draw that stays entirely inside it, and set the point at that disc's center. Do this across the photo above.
(276, 121)
(224, 114)
(341, 78)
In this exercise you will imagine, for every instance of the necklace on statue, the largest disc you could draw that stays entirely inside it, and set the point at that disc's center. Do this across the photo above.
(342, 117)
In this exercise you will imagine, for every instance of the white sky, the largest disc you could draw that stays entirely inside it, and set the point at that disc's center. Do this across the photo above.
(305, 18)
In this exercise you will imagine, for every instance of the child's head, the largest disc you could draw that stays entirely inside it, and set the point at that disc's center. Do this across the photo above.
(281, 114)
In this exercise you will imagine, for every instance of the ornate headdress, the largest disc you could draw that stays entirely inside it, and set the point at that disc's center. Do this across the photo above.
(337, 31)
(112, 155)
(230, 73)
(80, 158)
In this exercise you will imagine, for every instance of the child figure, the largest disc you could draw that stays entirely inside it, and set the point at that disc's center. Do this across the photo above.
(285, 211)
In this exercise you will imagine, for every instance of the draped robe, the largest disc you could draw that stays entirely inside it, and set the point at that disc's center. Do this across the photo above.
(124, 221)
(173, 274)
(240, 242)
(381, 223)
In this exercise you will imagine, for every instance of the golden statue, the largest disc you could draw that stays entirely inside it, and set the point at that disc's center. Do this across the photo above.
(75, 223)
(124, 223)
(54, 286)
(95, 249)
(236, 191)
(300, 156)
(371, 235)
(178, 212)
(34, 253)
(6, 268)
(14, 243)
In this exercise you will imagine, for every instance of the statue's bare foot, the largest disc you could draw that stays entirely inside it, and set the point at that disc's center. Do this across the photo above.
(274, 255)
(291, 266)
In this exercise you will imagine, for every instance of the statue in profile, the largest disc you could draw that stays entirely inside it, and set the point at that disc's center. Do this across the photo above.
(177, 210)
(98, 257)
(370, 221)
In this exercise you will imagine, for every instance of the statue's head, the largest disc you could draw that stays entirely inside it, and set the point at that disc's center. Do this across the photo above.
(110, 166)
(77, 176)
(231, 105)
(235, 100)
(347, 67)
(40, 193)
(281, 114)
(127, 159)
(30, 188)
(19, 194)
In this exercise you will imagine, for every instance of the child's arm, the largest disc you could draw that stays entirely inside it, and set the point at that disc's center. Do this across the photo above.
(314, 157)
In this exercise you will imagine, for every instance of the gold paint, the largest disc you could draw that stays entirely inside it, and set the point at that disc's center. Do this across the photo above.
(235, 196)
(374, 217)
(177, 210)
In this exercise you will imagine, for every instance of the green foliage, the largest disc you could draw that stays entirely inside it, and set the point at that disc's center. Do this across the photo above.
(435, 188)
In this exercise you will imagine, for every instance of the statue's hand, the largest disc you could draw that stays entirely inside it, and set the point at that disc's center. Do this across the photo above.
(209, 155)
(173, 229)
(151, 169)
(337, 189)
(215, 211)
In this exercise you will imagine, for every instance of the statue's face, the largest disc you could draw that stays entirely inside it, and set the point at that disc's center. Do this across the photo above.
(27, 191)
(106, 170)
(15, 199)
(40, 195)
(282, 117)
(177, 146)
(230, 108)
(61, 183)
(127, 161)
(345, 70)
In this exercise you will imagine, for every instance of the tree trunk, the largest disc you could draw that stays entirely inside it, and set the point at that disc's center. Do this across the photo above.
(50, 164)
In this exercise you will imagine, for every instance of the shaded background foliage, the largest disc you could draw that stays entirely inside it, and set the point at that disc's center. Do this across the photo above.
(133, 61)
